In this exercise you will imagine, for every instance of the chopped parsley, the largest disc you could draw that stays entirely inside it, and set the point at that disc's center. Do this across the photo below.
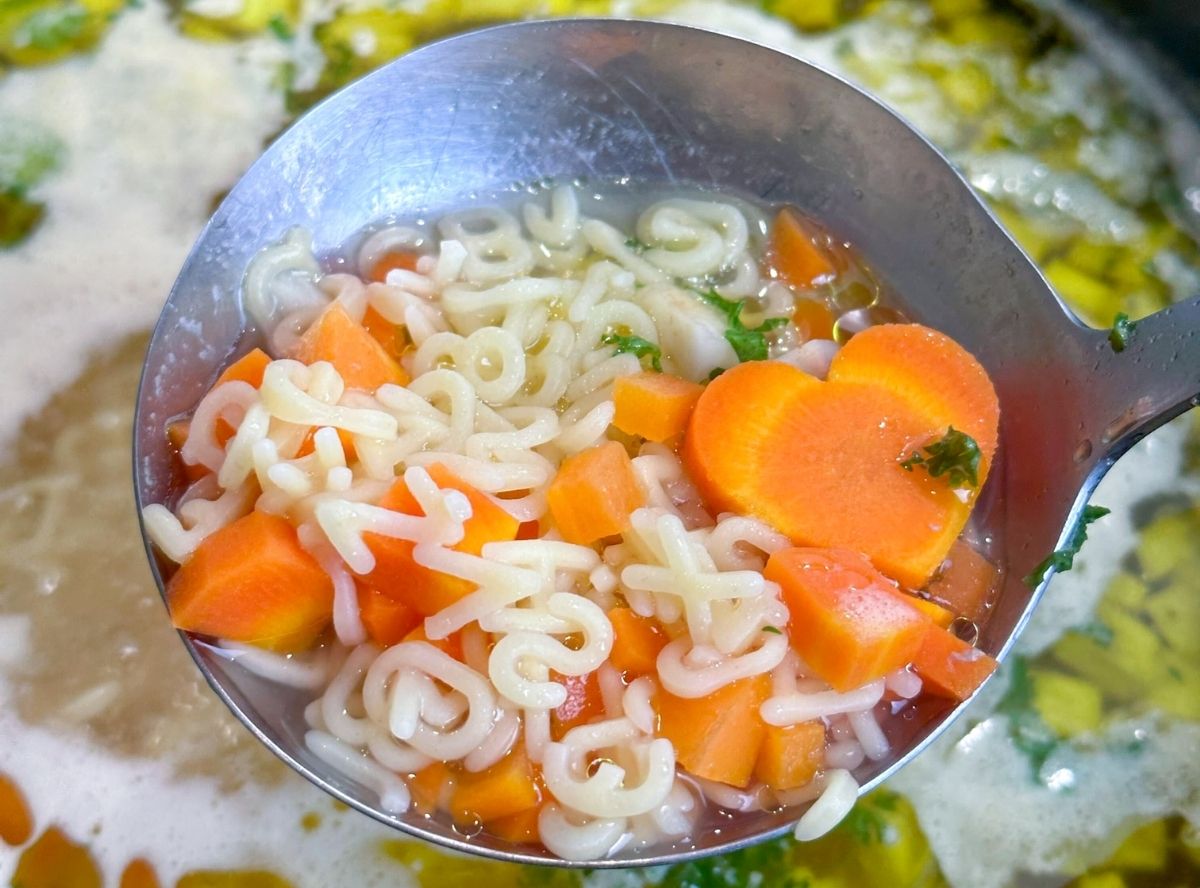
(53, 28)
(715, 372)
(1122, 330)
(955, 455)
(774, 630)
(638, 246)
(749, 343)
(19, 216)
(1064, 558)
(1028, 730)
(281, 28)
(635, 345)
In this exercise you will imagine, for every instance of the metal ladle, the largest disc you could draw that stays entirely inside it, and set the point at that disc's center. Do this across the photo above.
(666, 104)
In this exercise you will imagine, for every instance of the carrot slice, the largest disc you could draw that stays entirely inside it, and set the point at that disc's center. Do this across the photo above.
(965, 582)
(949, 667)
(428, 591)
(594, 493)
(813, 319)
(451, 644)
(361, 361)
(397, 259)
(386, 619)
(431, 787)
(16, 820)
(250, 368)
(636, 642)
(583, 703)
(790, 755)
(717, 737)
(794, 251)
(847, 621)
(820, 461)
(506, 788)
(252, 582)
(139, 874)
(655, 406)
(520, 828)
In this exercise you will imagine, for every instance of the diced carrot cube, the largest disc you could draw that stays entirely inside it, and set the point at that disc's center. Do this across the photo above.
(636, 642)
(386, 619)
(387, 334)
(583, 703)
(847, 621)
(791, 755)
(941, 616)
(506, 788)
(654, 406)
(795, 253)
(520, 828)
(397, 259)
(949, 667)
(965, 582)
(451, 644)
(427, 591)
(717, 737)
(594, 493)
(250, 368)
(813, 319)
(431, 787)
(252, 582)
(362, 362)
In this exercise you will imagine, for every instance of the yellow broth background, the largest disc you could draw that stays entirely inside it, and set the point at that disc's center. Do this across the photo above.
(1079, 764)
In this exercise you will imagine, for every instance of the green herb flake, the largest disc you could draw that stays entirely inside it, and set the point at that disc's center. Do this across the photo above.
(1028, 730)
(749, 344)
(53, 28)
(1064, 559)
(955, 455)
(18, 217)
(1122, 330)
(281, 28)
(715, 372)
(774, 630)
(636, 245)
(635, 345)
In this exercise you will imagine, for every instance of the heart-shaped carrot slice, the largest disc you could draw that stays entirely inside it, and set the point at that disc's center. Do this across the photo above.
(820, 461)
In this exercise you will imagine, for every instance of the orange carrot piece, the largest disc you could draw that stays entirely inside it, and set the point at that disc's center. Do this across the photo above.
(427, 591)
(594, 493)
(965, 582)
(55, 861)
(252, 582)
(636, 642)
(177, 435)
(16, 820)
(813, 319)
(384, 332)
(820, 461)
(934, 611)
(520, 828)
(386, 619)
(583, 703)
(847, 621)
(939, 378)
(506, 788)
(795, 253)
(949, 667)
(529, 530)
(139, 874)
(451, 644)
(250, 368)
(431, 787)
(717, 737)
(361, 361)
(654, 406)
(790, 755)
(397, 259)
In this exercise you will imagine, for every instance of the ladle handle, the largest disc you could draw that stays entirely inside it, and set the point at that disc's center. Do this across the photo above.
(1154, 379)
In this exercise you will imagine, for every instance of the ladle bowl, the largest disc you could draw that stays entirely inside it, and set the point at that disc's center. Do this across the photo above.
(615, 100)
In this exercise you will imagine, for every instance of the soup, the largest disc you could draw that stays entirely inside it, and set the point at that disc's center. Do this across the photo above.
(587, 522)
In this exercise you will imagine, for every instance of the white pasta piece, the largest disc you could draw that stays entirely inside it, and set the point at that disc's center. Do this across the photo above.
(589, 839)
(347, 621)
(601, 280)
(636, 705)
(389, 239)
(739, 543)
(845, 754)
(228, 401)
(202, 516)
(697, 237)
(559, 227)
(504, 664)
(813, 357)
(686, 681)
(394, 797)
(280, 281)
(870, 736)
(837, 798)
(796, 708)
(284, 393)
(291, 670)
(458, 299)
(608, 790)
(903, 683)
(497, 744)
(444, 745)
(609, 241)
